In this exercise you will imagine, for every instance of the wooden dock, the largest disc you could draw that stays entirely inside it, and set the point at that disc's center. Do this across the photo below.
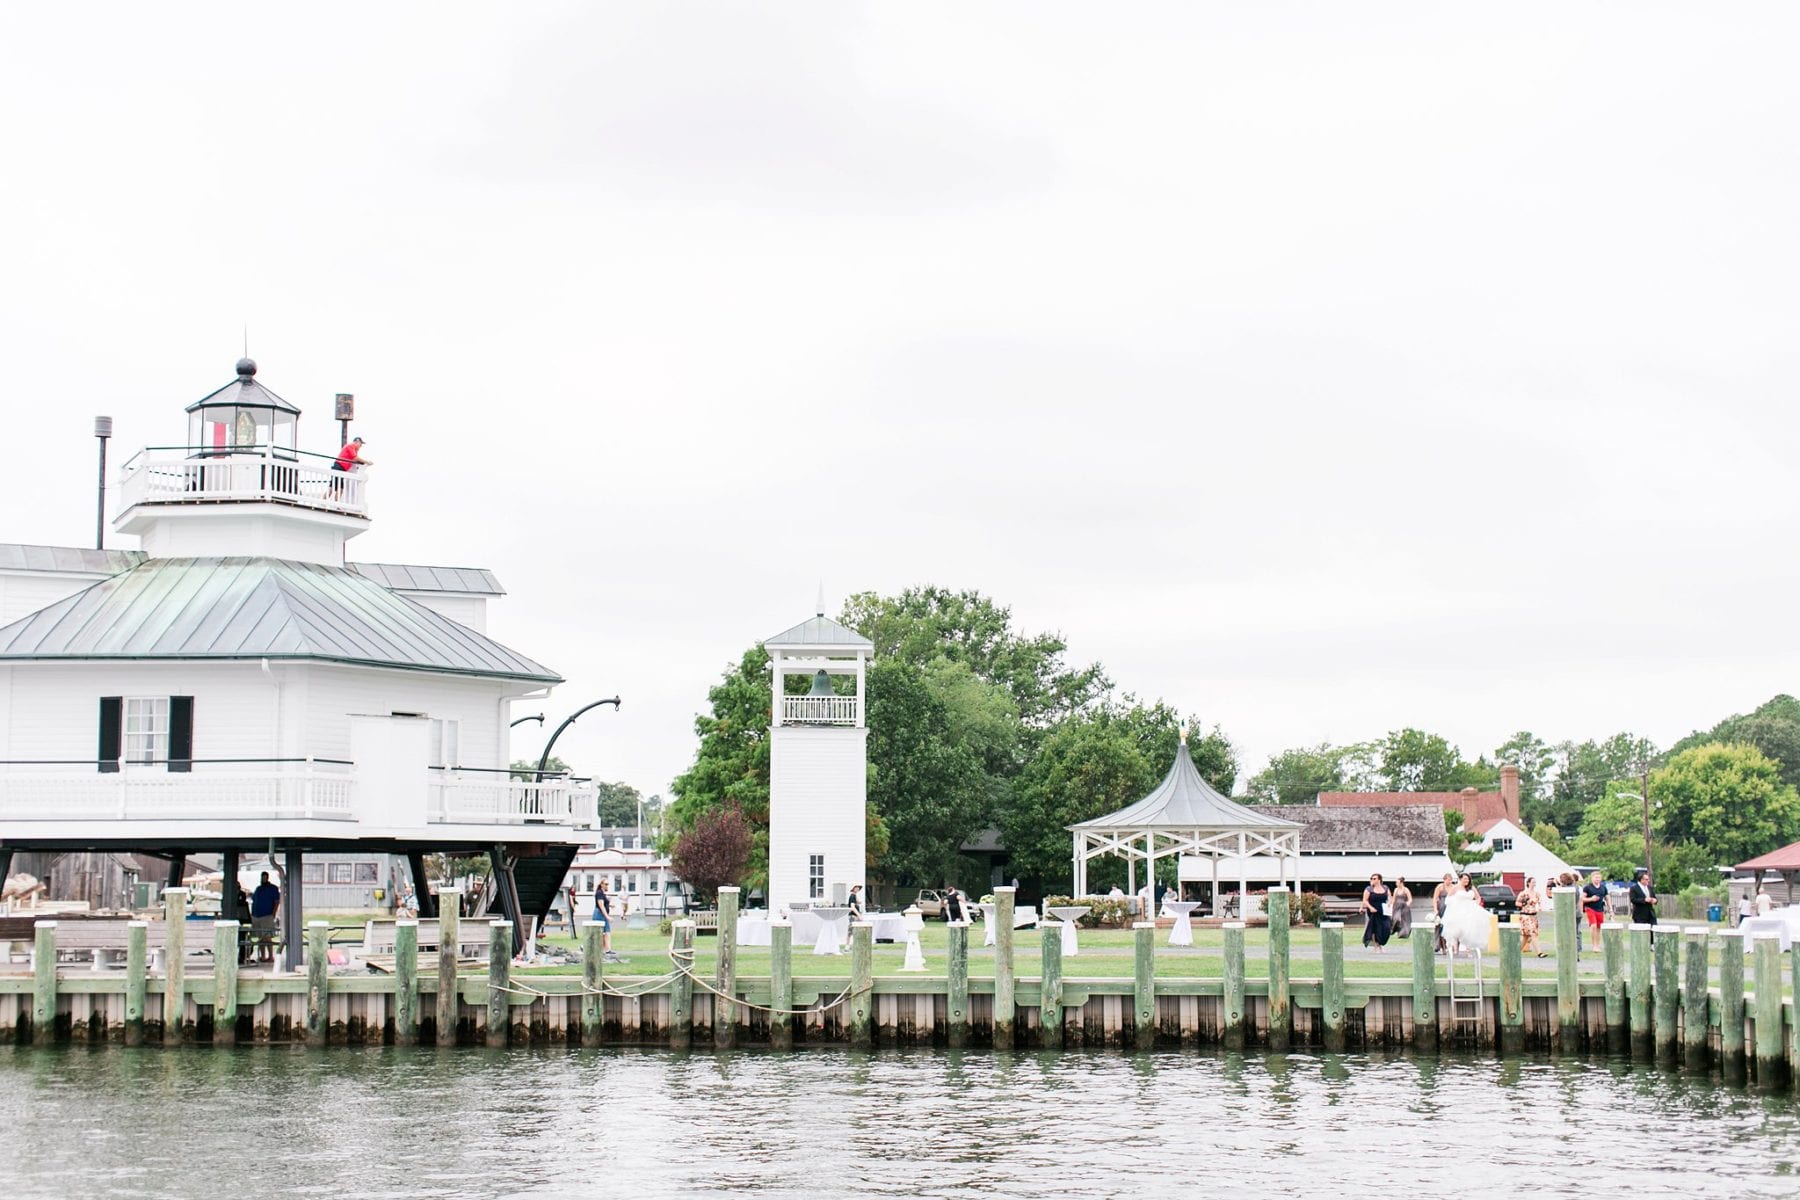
(1655, 1000)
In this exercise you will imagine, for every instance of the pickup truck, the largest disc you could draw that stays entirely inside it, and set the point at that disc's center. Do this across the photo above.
(930, 903)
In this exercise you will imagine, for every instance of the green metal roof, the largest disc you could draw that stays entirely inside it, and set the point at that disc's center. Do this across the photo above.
(254, 608)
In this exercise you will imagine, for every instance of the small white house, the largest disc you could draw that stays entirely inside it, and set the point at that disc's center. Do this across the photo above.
(1515, 852)
(637, 876)
(234, 686)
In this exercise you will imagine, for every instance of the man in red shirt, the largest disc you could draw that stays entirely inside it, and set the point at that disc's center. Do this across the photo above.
(351, 456)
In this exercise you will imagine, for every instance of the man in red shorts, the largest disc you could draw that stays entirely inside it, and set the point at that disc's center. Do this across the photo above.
(1593, 905)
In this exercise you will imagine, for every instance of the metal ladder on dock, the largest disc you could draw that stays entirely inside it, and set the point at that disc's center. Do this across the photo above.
(1463, 1006)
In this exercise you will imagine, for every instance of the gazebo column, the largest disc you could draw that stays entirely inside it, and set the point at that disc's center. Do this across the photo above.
(1079, 862)
(1218, 905)
(1150, 871)
(1243, 877)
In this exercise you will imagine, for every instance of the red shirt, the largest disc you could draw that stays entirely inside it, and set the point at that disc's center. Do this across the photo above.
(347, 456)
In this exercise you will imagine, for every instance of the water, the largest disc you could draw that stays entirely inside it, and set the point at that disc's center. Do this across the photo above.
(826, 1123)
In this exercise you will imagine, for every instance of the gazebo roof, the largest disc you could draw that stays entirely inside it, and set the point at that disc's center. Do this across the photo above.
(1184, 801)
(1785, 859)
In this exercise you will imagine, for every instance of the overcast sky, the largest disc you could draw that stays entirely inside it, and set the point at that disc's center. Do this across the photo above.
(1320, 369)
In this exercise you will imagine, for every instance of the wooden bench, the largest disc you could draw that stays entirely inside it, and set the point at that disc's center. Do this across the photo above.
(103, 938)
(471, 936)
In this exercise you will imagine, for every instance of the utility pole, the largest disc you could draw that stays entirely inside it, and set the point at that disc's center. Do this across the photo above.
(1644, 791)
(102, 431)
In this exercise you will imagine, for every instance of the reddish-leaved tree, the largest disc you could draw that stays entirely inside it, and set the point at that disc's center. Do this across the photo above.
(714, 852)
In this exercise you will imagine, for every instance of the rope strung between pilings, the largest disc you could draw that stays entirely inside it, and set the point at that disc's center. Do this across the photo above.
(683, 960)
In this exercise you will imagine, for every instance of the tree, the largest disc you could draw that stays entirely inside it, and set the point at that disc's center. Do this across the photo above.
(1464, 846)
(618, 805)
(714, 851)
(1730, 800)
(1536, 761)
(1773, 728)
(1298, 776)
(1086, 767)
(926, 785)
(526, 768)
(925, 624)
(1547, 836)
(1584, 771)
(732, 764)
(1415, 761)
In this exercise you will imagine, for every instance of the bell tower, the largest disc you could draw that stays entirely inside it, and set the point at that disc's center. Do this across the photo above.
(818, 762)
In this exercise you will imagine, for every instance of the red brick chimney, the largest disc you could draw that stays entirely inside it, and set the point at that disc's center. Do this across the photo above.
(1509, 792)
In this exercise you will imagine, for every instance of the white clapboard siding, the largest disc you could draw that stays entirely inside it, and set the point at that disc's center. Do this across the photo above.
(52, 710)
(818, 789)
(334, 692)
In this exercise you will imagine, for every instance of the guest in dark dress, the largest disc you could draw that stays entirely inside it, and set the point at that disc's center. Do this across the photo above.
(1376, 926)
(1402, 909)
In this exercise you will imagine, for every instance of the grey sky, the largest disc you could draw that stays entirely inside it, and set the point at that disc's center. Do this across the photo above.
(1320, 369)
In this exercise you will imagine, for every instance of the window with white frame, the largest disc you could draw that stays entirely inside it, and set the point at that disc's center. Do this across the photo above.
(815, 877)
(446, 736)
(340, 873)
(631, 883)
(146, 729)
(312, 872)
(1501, 845)
(368, 873)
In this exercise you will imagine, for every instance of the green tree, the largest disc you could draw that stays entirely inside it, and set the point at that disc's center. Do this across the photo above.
(1536, 761)
(1465, 847)
(1729, 800)
(1773, 728)
(1415, 761)
(1087, 766)
(1549, 837)
(922, 625)
(1298, 776)
(926, 785)
(1584, 770)
(732, 763)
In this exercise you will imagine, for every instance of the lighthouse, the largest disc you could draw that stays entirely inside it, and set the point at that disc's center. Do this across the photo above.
(818, 762)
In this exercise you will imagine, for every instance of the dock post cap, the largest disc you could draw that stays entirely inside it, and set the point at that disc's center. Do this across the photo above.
(412, 921)
(317, 924)
(1233, 925)
(1143, 924)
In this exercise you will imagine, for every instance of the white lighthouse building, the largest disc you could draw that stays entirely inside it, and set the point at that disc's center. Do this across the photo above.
(818, 763)
(236, 687)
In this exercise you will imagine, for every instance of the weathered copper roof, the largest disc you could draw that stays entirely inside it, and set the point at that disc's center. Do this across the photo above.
(253, 608)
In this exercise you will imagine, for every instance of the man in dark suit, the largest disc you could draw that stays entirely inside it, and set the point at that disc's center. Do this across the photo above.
(1643, 899)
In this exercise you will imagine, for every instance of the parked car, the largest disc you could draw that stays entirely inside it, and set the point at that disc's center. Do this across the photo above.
(1498, 899)
(930, 903)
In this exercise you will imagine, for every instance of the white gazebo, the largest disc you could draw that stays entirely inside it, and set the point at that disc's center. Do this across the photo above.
(1185, 815)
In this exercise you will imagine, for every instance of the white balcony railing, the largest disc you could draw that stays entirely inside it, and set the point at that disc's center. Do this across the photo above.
(820, 710)
(494, 799)
(294, 791)
(182, 475)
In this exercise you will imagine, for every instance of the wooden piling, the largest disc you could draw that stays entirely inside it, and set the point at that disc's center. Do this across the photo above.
(1512, 990)
(1234, 985)
(1281, 1013)
(43, 984)
(1331, 1014)
(724, 1006)
(1618, 1026)
(1568, 958)
(318, 988)
(1424, 989)
(1666, 994)
(1144, 992)
(225, 982)
(593, 977)
(1771, 1052)
(1004, 1009)
(781, 983)
(681, 992)
(1639, 990)
(174, 963)
(956, 1004)
(406, 983)
(1794, 1060)
(862, 985)
(1694, 999)
(137, 963)
(1050, 1019)
(1731, 1003)
(499, 984)
(449, 904)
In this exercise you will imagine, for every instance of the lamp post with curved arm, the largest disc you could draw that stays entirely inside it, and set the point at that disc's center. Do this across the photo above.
(538, 717)
(544, 761)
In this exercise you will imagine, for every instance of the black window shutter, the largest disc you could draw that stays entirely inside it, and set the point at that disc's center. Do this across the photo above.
(112, 732)
(181, 733)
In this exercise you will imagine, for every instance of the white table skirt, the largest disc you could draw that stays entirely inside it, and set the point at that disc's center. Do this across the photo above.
(1777, 922)
(1022, 917)
(753, 929)
(1182, 933)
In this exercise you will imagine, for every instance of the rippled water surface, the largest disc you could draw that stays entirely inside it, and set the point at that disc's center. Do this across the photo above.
(260, 1122)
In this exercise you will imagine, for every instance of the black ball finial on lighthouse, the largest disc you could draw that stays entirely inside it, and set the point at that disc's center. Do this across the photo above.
(246, 367)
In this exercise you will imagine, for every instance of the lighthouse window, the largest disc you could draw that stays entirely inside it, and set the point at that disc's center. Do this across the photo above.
(815, 876)
(146, 729)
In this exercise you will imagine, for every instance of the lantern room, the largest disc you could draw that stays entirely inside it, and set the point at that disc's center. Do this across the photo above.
(243, 417)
